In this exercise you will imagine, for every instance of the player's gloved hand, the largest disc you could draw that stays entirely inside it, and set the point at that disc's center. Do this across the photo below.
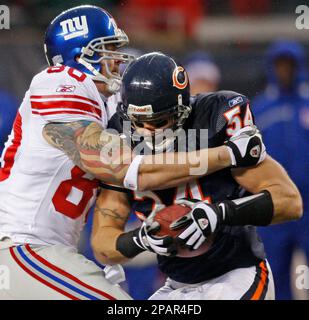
(202, 221)
(147, 239)
(246, 147)
(204, 218)
(133, 242)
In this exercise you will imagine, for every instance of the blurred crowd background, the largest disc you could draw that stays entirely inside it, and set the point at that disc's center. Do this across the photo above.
(249, 46)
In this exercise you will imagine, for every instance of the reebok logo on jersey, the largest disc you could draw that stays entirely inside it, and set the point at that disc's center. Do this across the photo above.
(203, 223)
(255, 152)
(66, 88)
(75, 27)
(236, 101)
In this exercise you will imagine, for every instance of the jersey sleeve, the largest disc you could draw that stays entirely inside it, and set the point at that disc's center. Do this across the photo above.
(227, 112)
(62, 94)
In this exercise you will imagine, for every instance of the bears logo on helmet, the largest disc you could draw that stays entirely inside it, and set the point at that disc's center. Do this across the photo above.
(166, 95)
(180, 78)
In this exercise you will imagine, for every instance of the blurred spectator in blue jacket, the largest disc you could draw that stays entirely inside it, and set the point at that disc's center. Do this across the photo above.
(282, 114)
(8, 109)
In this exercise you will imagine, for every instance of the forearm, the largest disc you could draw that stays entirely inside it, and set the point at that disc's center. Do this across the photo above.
(94, 150)
(160, 171)
(104, 246)
(269, 204)
(108, 157)
(287, 202)
(271, 176)
(244, 149)
(257, 210)
(110, 217)
(179, 168)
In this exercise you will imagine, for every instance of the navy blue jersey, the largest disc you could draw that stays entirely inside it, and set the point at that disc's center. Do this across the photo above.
(222, 113)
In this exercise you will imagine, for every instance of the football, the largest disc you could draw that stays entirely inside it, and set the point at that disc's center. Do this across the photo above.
(171, 213)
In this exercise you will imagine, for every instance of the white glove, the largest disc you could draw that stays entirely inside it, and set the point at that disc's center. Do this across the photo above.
(199, 223)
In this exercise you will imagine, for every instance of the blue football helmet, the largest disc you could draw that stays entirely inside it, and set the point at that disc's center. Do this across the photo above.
(78, 37)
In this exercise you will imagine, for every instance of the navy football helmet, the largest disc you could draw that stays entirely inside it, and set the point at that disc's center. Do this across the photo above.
(155, 89)
(78, 37)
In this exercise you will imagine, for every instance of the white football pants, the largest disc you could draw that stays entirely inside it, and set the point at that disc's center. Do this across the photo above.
(253, 283)
(55, 272)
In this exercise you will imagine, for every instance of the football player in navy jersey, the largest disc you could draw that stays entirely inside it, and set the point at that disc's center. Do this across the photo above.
(224, 258)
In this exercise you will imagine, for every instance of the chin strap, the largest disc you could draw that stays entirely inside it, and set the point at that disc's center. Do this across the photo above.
(113, 85)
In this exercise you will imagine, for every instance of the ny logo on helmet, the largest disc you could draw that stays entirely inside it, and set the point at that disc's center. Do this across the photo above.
(75, 27)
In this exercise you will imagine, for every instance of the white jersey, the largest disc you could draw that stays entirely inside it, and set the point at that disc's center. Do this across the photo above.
(44, 197)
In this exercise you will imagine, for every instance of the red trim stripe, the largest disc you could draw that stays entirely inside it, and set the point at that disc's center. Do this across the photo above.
(53, 96)
(39, 278)
(65, 112)
(10, 153)
(66, 274)
(65, 104)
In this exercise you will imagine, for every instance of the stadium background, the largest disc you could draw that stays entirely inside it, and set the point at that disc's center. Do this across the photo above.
(235, 34)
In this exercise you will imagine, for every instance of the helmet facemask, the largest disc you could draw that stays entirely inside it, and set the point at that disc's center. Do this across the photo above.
(96, 51)
(167, 125)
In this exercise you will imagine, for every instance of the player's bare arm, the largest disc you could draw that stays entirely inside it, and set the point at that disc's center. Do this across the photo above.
(275, 199)
(110, 217)
(271, 176)
(83, 142)
(110, 243)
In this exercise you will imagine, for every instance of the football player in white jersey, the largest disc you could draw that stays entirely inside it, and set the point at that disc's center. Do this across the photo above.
(52, 163)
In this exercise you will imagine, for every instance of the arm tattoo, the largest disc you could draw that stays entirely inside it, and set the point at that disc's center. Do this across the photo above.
(93, 149)
(105, 212)
(62, 136)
